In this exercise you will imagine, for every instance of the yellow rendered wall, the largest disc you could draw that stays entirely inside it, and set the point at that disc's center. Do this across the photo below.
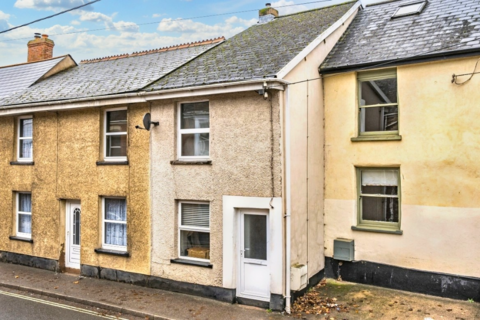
(439, 165)
(243, 130)
(307, 156)
(66, 148)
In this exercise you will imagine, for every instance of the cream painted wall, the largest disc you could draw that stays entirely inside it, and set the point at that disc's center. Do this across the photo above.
(438, 160)
(307, 162)
(243, 164)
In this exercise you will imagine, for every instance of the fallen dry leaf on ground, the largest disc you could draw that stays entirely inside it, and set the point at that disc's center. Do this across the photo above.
(317, 303)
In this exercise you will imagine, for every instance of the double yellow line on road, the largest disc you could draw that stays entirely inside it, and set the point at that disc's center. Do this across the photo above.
(58, 305)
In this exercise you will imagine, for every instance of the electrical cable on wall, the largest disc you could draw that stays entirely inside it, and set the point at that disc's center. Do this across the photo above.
(455, 77)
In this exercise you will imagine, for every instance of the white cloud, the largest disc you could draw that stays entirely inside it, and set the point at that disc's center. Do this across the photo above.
(4, 16)
(287, 10)
(98, 17)
(4, 21)
(157, 15)
(75, 22)
(51, 5)
(230, 27)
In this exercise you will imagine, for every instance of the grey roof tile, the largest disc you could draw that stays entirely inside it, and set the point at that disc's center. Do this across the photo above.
(107, 77)
(18, 77)
(260, 51)
(443, 26)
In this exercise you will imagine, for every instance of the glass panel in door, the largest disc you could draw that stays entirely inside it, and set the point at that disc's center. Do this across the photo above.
(76, 227)
(255, 236)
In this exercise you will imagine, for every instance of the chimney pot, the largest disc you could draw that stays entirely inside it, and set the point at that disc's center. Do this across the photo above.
(45, 36)
(268, 4)
(37, 35)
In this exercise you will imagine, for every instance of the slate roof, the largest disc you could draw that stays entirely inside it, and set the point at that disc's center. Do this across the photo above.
(18, 77)
(444, 26)
(260, 51)
(111, 75)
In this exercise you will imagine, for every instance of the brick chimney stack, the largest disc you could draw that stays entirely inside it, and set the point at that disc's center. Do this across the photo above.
(40, 48)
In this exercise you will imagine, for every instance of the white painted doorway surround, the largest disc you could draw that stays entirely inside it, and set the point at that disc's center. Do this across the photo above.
(253, 279)
(253, 276)
(72, 234)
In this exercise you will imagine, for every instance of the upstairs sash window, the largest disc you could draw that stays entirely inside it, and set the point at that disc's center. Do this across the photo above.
(116, 135)
(25, 139)
(194, 130)
(378, 103)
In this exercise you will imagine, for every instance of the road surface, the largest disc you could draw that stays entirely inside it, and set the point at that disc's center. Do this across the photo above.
(24, 307)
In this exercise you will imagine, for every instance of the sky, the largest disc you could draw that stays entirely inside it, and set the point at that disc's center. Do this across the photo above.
(131, 25)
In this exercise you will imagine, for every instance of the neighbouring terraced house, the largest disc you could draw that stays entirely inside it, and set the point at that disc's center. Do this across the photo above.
(402, 143)
(220, 197)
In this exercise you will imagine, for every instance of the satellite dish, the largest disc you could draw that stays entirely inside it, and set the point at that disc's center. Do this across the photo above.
(147, 122)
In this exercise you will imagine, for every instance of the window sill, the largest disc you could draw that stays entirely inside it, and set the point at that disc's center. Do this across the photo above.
(393, 137)
(20, 239)
(112, 163)
(371, 229)
(113, 252)
(22, 163)
(186, 163)
(203, 264)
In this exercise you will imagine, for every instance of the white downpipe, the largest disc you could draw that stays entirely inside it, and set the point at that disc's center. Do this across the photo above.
(288, 230)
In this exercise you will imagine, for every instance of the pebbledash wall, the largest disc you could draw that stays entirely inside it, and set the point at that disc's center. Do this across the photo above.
(245, 154)
(66, 147)
(440, 181)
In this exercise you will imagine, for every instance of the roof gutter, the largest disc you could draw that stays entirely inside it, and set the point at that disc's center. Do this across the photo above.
(142, 96)
(402, 61)
(323, 36)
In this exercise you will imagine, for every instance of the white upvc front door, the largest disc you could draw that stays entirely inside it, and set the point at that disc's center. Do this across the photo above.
(254, 272)
(72, 233)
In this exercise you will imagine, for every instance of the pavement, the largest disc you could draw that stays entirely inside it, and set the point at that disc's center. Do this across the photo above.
(344, 300)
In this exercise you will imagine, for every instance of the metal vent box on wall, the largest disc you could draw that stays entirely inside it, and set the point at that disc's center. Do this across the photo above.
(344, 249)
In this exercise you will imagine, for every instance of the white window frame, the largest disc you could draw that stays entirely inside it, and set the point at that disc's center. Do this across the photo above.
(190, 131)
(105, 134)
(18, 213)
(111, 246)
(19, 121)
(190, 228)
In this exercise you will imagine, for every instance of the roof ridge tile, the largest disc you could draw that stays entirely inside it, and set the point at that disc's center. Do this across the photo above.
(163, 49)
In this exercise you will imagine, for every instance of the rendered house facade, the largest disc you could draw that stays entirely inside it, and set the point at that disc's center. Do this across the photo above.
(401, 143)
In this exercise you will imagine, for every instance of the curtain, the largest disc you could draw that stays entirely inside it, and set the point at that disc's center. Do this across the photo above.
(24, 223)
(116, 233)
(24, 220)
(26, 148)
(380, 178)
